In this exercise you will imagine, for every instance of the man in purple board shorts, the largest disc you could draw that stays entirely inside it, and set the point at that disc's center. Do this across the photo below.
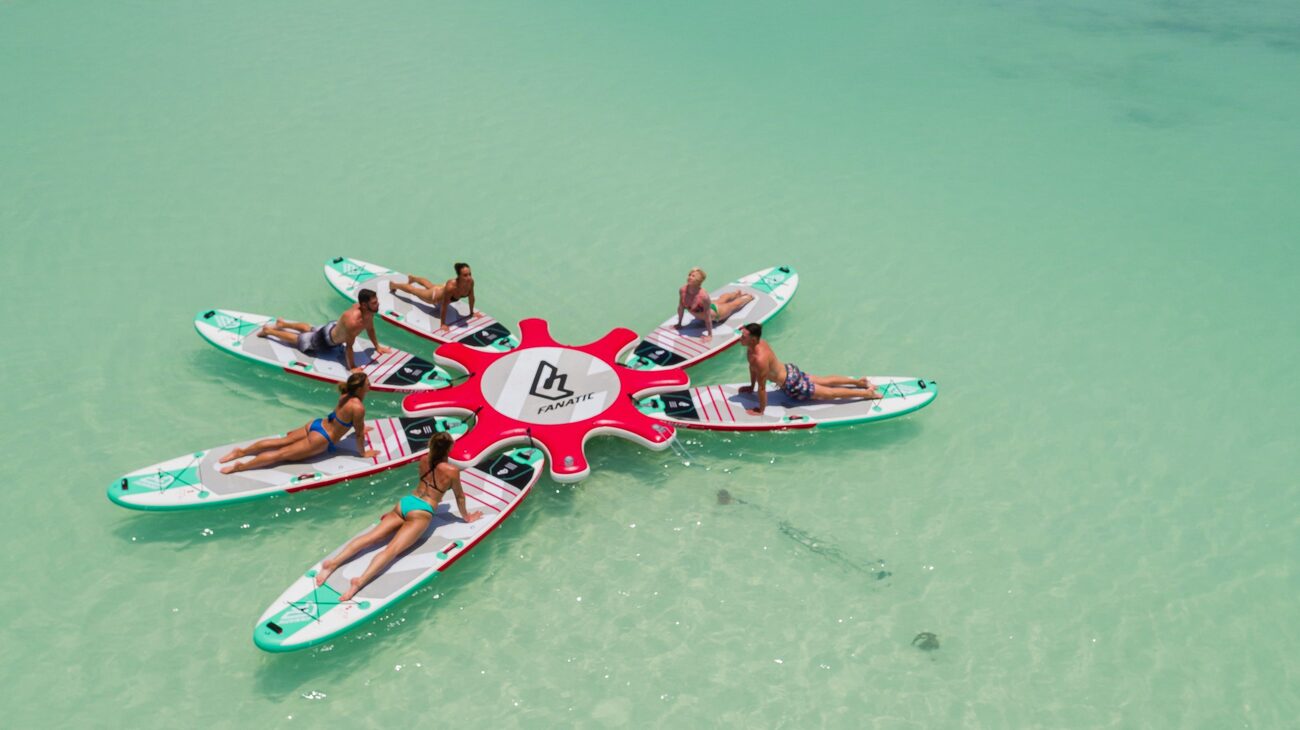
(795, 383)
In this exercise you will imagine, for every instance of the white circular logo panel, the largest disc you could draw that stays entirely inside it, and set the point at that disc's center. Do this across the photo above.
(550, 386)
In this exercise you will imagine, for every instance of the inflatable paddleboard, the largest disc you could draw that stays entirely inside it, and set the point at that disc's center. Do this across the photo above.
(349, 276)
(195, 480)
(723, 407)
(305, 614)
(668, 346)
(396, 371)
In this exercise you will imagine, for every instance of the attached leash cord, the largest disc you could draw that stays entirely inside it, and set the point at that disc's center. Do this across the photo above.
(176, 477)
(677, 447)
(893, 384)
(471, 416)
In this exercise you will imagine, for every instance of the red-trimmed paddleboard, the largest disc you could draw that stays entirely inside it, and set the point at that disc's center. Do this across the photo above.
(724, 407)
(396, 371)
(305, 614)
(195, 481)
(669, 347)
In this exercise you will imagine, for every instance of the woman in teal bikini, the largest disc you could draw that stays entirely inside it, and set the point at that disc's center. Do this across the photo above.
(408, 520)
(322, 434)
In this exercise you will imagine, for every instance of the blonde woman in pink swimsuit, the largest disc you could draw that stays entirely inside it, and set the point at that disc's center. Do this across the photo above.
(694, 299)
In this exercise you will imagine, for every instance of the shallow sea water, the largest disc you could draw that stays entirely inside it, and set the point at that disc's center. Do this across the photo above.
(1078, 217)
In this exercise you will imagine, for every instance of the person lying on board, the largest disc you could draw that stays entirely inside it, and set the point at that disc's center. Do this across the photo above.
(408, 519)
(694, 299)
(341, 333)
(452, 291)
(798, 385)
(322, 434)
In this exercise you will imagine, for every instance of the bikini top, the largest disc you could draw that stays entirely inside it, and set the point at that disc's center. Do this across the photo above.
(695, 304)
(336, 419)
(432, 475)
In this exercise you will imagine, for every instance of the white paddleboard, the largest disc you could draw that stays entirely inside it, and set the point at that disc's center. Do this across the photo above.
(349, 276)
(305, 614)
(669, 347)
(724, 407)
(195, 481)
(396, 371)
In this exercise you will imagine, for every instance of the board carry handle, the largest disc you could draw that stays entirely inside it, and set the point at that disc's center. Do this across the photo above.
(446, 552)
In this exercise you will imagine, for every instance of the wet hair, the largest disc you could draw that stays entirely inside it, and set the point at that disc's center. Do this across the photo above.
(703, 275)
(460, 266)
(365, 295)
(353, 386)
(439, 445)
(754, 329)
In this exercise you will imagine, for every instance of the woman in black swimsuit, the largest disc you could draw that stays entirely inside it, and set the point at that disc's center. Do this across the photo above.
(408, 519)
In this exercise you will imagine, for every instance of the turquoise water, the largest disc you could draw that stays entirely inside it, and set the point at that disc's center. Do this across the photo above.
(1078, 218)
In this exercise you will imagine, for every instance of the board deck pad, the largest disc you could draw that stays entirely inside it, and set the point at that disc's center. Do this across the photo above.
(349, 276)
(724, 407)
(305, 615)
(397, 371)
(668, 346)
(195, 481)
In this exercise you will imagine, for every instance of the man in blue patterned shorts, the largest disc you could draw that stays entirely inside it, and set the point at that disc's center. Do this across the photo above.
(795, 383)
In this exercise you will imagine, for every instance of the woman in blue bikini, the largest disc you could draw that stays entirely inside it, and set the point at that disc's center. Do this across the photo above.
(408, 520)
(322, 434)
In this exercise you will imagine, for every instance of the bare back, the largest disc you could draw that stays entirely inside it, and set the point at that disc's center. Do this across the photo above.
(435, 482)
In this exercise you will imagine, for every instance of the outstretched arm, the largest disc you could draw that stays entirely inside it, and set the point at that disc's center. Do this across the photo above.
(761, 389)
(370, 330)
(753, 378)
(444, 303)
(359, 428)
(347, 354)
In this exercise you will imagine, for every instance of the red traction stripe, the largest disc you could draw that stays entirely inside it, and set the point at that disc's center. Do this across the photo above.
(509, 494)
(490, 506)
(391, 363)
(706, 399)
(688, 346)
(722, 394)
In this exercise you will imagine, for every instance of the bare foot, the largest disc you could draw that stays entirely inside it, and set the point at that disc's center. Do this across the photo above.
(356, 586)
(261, 332)
(234, 454)
(872, 393)
(326, 570)
(231, 469)
(280, 322)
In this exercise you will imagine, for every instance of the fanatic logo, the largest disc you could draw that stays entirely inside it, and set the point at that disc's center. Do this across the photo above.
(548, 383)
